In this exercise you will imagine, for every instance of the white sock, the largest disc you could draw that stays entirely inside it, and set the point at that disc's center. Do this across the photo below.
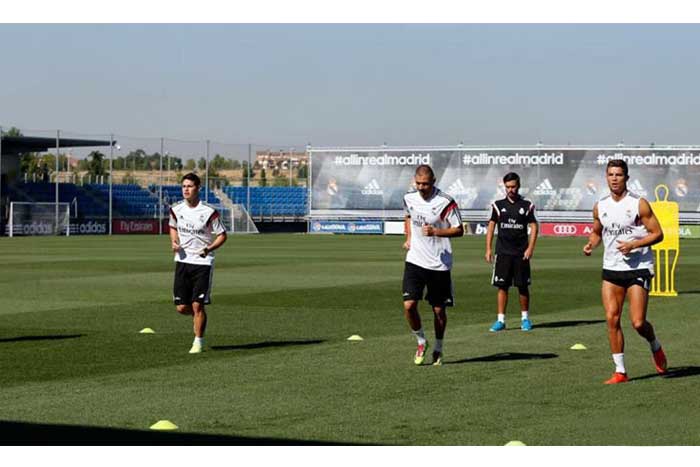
(198, 340)
(502, 317)
(420, 336)
(523, 315)
(438, 345)
(619, 359)
(655, 345)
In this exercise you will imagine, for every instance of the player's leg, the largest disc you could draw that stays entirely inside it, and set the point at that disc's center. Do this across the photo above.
(638, 303)
(414, 281)
(521, 279)
(613, 296)
(201, 279)
(199, 319)
(184, 309)
(182, 290)
(502, 278)
(440, 296)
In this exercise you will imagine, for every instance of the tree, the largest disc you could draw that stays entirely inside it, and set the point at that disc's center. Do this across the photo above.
(202, 164)
(96, 164)
(263, 178)
(13, 131)
(190, 165)
(303, 171)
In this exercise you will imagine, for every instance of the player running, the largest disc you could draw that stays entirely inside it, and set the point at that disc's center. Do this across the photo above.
(432, 217)
(514, 248)
(627, 226)
(193, 224)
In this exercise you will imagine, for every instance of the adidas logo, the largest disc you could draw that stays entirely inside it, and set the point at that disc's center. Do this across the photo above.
(636, 186)
(545, 188)
(457, 188)
(372, 188)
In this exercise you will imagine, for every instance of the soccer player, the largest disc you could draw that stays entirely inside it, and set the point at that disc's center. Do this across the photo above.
(193, 225)
(514, 248)
(627, 226)
(432, 217)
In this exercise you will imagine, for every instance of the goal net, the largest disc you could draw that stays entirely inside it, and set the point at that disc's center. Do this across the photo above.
(236, 219)
(38, 219)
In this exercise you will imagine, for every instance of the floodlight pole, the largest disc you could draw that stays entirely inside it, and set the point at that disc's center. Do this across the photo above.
(2, 211)
(111, 156)
(58, 144)
(250, 150)
(206, 176)
(160, 190)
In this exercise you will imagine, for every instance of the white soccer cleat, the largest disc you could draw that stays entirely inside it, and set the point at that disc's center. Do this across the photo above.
(196, 348)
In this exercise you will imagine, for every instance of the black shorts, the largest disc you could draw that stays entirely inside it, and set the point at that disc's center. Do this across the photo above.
(192, 283)
(626, 279)
(510, 270)
(438, 283)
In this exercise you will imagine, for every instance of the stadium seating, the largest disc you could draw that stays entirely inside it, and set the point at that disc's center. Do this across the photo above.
(128, 200)
(88, 204)
(271, 201)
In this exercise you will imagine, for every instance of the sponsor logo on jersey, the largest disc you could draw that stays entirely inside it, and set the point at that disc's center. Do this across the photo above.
(521, 211)
(372, 188)
(545, 188)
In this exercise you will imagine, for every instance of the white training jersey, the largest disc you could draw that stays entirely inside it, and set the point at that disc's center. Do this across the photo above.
(621, 223)
(196, 227)
(440, 211)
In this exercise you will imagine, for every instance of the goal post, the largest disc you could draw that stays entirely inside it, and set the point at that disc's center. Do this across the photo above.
(27, 219)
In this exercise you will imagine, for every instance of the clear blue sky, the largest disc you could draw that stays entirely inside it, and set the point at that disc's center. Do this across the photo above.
(357, 84)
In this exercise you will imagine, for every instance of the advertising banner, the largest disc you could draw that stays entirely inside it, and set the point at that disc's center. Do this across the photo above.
(371, 182)
(565, 229)
(137, 226)
(89, 227)
(347, 227)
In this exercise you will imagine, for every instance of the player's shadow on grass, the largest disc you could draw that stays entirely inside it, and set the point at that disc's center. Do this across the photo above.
(568, 324)
(36, 434)
(39, 338)
(673, 372)
(506, 356)
(684, 292)
(265, 345)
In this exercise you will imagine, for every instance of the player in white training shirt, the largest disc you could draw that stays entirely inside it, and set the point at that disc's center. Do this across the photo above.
(627, 226)
(193, 225)
(432, 217)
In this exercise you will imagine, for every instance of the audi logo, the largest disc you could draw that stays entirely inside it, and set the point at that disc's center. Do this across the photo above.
(563, 229)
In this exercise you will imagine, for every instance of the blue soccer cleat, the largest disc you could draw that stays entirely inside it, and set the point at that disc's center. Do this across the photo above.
(498, 326)
(526, 325)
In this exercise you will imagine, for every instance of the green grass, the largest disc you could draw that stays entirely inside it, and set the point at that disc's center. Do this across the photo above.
(281, 368)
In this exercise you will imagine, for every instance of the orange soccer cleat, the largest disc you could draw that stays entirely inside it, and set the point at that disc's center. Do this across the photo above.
(617, 378)
(660, 361)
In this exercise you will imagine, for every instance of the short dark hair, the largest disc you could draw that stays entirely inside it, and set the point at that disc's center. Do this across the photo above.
(193, 177)
(618, 163)
(425, 169)
(510, 176)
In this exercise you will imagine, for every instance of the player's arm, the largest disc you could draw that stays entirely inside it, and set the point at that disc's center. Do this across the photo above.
(454, 220)
(655, 235)
(407, 232)
(174, 238)
(596, 234)
(218, 241)
(489, 241)
(532, 239)
(488, 256)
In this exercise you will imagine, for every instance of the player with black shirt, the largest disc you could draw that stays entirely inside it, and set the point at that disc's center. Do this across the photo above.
(514, 248)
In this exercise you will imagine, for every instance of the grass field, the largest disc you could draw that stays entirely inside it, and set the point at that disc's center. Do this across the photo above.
(279, 370)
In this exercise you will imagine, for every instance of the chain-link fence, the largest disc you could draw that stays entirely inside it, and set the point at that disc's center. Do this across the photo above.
(118, 183)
